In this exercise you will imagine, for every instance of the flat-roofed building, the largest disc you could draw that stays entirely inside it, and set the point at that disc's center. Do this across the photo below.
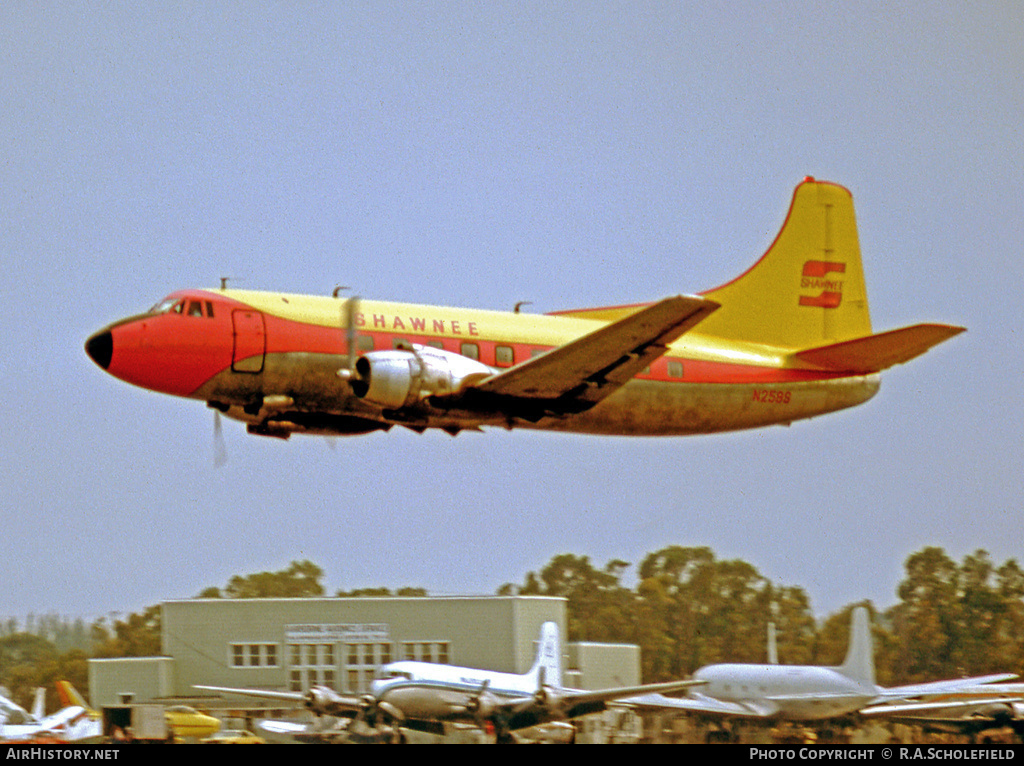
(295, 643)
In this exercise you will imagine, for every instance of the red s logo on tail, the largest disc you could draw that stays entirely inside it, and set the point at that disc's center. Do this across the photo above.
(815, 277)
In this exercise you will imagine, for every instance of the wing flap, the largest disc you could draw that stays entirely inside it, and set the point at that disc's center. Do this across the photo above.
(593, 366)
(874, 353)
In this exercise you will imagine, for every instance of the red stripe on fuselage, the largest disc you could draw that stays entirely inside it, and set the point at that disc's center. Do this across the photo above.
(176, 353)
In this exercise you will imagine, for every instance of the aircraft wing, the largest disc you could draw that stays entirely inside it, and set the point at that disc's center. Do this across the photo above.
(579, 374)
(920, 709)
(962, 686)
(556, 704)
(703, 705)
(320, 699)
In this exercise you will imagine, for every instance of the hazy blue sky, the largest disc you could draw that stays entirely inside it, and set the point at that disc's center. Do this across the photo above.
(478, 154)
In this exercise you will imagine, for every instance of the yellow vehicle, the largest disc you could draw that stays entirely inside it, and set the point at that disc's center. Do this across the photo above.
(234, 737)
(186, 722)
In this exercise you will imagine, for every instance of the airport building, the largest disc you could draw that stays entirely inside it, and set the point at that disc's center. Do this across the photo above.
(295, 643)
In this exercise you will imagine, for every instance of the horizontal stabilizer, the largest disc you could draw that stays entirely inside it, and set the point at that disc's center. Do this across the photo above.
(874, 353)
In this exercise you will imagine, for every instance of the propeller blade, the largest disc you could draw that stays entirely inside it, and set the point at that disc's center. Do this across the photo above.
(220, 453)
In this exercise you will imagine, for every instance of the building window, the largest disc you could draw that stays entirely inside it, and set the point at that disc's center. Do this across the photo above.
(253, 655)
(426, 651)
(363, 661)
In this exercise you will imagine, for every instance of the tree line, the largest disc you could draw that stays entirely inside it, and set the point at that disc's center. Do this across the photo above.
(687, 609)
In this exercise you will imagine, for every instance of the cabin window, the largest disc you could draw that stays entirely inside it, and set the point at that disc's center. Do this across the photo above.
(364, 342)
(503, 356)
(401, 344)
(435, 344)
(471, 350)
(675, 368)
(535, 352)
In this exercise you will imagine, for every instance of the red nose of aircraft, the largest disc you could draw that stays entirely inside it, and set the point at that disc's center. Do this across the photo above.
(169, 353)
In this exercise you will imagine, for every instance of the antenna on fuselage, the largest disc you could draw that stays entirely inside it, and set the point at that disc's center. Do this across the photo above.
(520, 304)
(224, 283)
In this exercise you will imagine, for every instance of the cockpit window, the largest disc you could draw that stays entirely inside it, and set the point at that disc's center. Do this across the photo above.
(195, 309)
(387, 675)
(167, 305)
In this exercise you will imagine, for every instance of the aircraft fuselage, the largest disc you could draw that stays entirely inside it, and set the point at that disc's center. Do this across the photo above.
(795, 693)
(272, 360)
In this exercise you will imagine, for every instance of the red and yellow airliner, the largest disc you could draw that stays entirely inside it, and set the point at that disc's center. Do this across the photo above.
(789, 339)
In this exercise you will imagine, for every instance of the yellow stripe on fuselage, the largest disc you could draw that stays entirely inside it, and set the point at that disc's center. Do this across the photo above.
(492, 326)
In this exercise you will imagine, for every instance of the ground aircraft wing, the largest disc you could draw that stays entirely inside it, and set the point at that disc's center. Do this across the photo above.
(590, 368)
(703, 705)
(320, 699)
(939, 688)
(935, 706)
(550, 704)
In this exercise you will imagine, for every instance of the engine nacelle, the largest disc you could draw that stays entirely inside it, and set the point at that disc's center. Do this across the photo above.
(324, 701)
(400, 378)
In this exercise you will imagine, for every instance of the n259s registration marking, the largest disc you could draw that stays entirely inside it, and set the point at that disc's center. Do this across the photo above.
(771, 396)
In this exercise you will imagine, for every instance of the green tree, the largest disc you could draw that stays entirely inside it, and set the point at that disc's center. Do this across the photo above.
(138, 635)
(300, 579)
(599, 607)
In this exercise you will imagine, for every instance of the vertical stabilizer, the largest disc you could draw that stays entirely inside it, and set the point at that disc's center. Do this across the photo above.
(39, 703)
(860, 657)
(69, 695)
(549, 657)
(808, 289)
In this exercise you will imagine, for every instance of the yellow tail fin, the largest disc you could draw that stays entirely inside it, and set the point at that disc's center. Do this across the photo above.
(808, 289)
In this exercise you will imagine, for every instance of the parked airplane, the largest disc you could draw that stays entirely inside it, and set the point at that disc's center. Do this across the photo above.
(423, 696)
(72, 723)
(790, 338)
(807, 692)
(13, 713)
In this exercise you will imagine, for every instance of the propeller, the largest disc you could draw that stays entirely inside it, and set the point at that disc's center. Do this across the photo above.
(220, 453)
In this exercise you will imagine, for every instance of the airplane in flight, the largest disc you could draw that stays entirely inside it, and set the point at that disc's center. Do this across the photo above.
(788, 339)
(423, 696)
(775, 692)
